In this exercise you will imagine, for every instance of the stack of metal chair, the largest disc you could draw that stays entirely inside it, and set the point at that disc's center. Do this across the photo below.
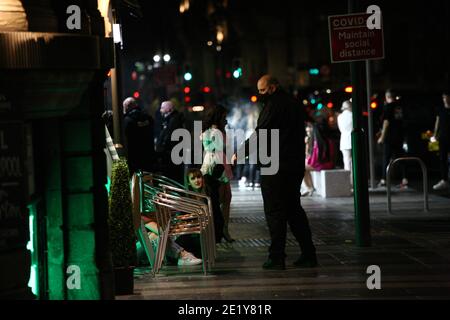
(178, 212)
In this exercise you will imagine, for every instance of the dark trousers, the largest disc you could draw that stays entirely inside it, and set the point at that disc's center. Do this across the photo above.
(392, 152)
(444, 149)
(281, 196)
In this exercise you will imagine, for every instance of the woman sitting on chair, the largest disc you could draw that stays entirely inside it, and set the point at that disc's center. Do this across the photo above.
(209, 184)
(174, 250)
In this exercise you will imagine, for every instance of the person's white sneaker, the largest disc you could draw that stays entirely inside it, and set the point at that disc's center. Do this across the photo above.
(242, 182)
(441, 185)
(188, 259)
(382, 183)
(308, 193)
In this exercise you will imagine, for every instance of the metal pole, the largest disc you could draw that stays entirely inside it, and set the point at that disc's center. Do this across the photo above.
(361, 192)
(389, 169)
(370, 126)
(117, 136)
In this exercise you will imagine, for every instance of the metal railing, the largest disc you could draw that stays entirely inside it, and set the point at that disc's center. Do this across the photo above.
(424, 176)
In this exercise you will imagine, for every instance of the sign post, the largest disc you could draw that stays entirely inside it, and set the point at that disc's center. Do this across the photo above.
(351, 40)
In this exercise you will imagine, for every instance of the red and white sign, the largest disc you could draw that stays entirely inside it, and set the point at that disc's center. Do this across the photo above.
(352, 40)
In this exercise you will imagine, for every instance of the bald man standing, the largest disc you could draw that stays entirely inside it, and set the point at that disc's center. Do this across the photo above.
(171, 121)
(281, 191)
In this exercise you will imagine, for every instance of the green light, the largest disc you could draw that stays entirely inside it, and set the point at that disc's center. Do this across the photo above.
(188, 76)
(313, 101)
(314, 72)
(237, 73)
(319, 106)
(33, 282)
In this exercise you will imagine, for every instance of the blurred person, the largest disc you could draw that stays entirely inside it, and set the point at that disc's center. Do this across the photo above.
(138, 129)
(237, 121)
(214, 142)
(171, 120)
(282, 204)
(392, 136)
(251, 177)
(442, 134)
(345, 125)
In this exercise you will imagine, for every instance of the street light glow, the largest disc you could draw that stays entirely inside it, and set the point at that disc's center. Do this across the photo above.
(198, 108)
(166, 58)
(157, 58)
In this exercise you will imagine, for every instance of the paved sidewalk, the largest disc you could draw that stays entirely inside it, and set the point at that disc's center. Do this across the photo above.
(411, 247)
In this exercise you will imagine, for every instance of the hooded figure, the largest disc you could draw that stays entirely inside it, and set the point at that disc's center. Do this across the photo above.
(138, 128)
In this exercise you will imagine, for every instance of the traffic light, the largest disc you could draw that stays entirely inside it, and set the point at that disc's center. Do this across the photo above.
(374, 105)
(237, 69)
(206, 89)
(237, 73)
(314, 71)
(187, 76)
(187, 97)
(254, 99)
(349, 89)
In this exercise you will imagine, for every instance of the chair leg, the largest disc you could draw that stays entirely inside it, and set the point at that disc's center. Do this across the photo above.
(146, 244)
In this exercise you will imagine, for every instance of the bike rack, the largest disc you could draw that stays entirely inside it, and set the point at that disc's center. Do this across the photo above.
(424, 176)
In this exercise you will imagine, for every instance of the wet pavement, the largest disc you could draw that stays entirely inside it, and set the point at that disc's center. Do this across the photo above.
(411, 247)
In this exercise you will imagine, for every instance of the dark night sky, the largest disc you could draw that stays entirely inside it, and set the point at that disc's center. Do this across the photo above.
(416, 32)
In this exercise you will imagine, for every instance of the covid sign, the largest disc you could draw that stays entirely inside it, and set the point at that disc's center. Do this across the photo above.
(356, 37)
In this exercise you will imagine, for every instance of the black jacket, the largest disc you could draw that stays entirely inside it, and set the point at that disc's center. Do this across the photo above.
(138, 127)
(169, 124)
(282, 111)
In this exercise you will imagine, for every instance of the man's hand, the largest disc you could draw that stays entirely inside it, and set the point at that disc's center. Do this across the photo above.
(380, 140)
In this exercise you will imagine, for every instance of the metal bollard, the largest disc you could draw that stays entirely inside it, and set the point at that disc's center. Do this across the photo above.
(424, 176)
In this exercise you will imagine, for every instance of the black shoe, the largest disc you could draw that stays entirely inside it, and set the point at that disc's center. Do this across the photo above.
(306, 262)
(274, 265)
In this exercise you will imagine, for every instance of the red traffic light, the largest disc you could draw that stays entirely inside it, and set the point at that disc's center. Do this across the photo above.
(136, 95)
(206, 89)
(187, 99)
(330, 105)
(187, 90)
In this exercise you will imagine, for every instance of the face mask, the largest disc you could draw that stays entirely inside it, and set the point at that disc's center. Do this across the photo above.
(263, 97)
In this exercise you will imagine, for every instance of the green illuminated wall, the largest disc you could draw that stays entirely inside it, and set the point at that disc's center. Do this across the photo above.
(73, 195)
